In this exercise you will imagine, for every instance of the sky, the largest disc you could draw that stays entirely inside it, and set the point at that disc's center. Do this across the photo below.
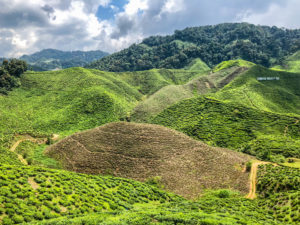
(112, 25)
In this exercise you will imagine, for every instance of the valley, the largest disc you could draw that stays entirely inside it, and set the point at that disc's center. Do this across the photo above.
(199, 139)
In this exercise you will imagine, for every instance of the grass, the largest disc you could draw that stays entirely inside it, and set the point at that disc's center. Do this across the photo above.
(198, 65)
(290, 64)
(265, 135)
(232, 63)
(171, 94)
(33, 153)
(279, 96)
(149, 81)
(292, 162)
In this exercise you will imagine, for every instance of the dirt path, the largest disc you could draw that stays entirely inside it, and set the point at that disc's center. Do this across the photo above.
(25, 138)
(253, 175)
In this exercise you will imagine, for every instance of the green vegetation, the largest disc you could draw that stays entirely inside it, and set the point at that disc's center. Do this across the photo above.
(290, 64)
(198, 65)
(33, 153)
(30, 193)
(292, 162)
(212, 44)
(232, 63)
(150, 81)
(10, 71)
(280, 187)
(266, 135)
(51, 59)
(279, 96)
(171, 94)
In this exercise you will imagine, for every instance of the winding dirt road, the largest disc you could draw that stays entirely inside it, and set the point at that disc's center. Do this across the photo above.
(253, 175)
(26, 138)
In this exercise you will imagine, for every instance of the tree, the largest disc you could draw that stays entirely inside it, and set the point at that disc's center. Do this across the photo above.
(10, 71)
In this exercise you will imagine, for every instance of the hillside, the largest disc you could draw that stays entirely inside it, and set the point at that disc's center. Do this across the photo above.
(149, 81)
(206, 83)
(290, 63)
(34, 194)
(268, 136)
(52, 59)
(185, 166)
(212, 44)
(279, 94)
(63, 102)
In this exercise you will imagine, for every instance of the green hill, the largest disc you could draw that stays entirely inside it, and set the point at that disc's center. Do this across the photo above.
(171, 94)
(290, 64)
(262, 45)
(63, 102)
(281, 94)
(34, 194)
(268, 136)
(231, 63)
(149, 81)
(51, 59)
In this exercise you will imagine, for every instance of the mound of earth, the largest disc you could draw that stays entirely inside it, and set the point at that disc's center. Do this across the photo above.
(144, 151)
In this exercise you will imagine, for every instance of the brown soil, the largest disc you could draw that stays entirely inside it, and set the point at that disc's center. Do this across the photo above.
(143, 151)
(32, 183)
(253, 181)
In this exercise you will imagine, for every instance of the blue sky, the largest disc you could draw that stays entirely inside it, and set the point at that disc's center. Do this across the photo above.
(111, 25)
(108, 12)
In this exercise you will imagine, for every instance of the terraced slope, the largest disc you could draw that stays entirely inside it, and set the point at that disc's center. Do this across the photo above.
(279, 95)
(149, 81)
(280, 186)
(266, 135)
(171, 94)
(143, 152)
(34, 194)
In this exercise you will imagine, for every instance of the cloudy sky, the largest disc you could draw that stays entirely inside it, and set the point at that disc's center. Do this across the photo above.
(111, 25)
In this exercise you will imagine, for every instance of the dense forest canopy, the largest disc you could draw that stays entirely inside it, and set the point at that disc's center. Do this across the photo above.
(213, 44)
(10, 71)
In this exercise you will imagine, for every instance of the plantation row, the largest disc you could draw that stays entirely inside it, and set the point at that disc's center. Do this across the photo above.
(30, 193)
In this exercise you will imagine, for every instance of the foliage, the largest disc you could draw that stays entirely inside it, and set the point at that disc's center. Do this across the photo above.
(212, 44)
(279, 96)
(230, 125)
(34, 155)
(50, 59)
(231, 63)
(290, 63)
(10, 71)
(32, 193)
(280, 187)
(204, 83)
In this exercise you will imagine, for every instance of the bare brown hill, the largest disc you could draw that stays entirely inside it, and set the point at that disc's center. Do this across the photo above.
(143, 151)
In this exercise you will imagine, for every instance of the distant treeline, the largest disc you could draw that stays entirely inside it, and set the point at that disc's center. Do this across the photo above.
(213, 44)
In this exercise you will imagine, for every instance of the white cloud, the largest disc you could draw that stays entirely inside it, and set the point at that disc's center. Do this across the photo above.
(32, 25)
(279, 15)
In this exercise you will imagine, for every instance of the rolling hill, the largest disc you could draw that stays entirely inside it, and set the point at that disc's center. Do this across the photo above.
(143, 152)
(262, 45)
(265, 89)
(52, 59)
(266, 135)
(206, 83)
(290, 63)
